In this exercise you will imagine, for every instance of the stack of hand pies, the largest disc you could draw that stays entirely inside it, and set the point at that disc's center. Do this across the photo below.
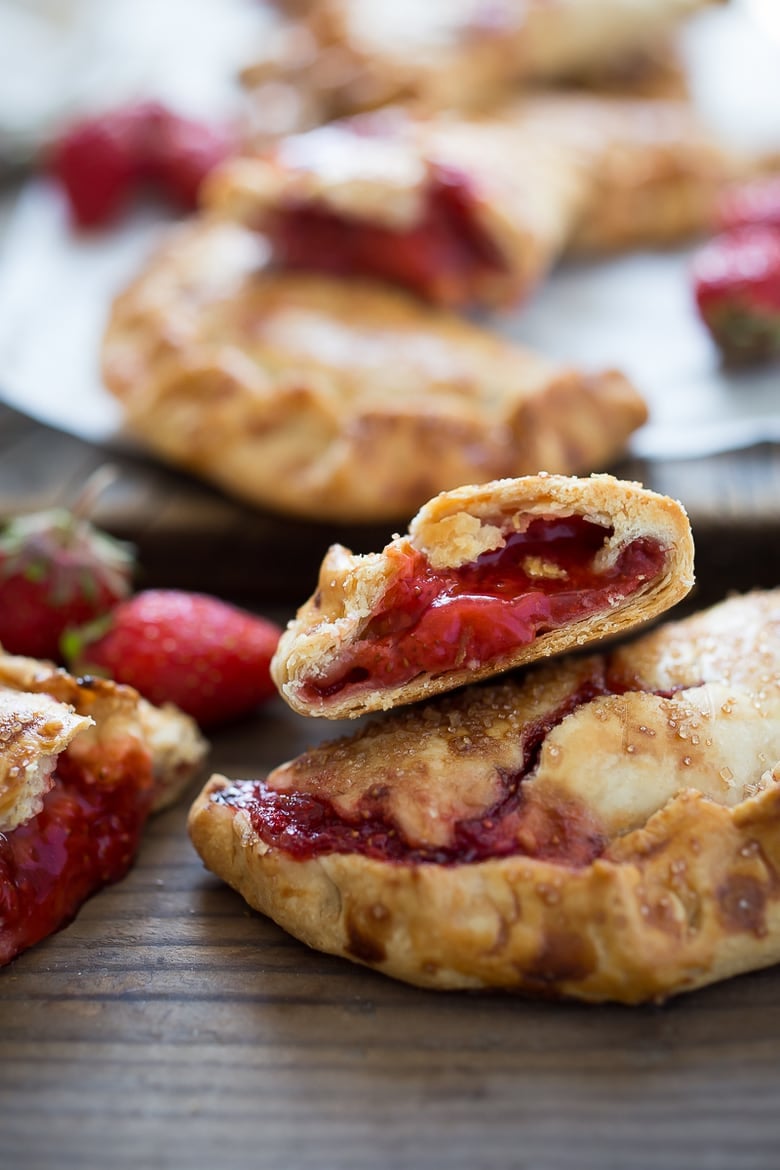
(604, 826)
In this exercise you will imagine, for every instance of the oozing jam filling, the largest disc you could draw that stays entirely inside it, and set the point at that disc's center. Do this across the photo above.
(85, 837)
(441, 258)
(306, 826)
(432, 620)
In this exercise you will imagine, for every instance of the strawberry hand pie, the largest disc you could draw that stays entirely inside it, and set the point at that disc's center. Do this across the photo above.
(474, 211)
(460, 211)
(606, 827)
(487, 578)
(339, 400)
(83, 762)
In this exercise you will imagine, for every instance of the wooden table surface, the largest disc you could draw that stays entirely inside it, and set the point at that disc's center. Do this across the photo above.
(169, 1026)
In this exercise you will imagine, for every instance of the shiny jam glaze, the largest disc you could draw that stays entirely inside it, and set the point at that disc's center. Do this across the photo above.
(441, 258)
(85, 837)
(433, 620)
(305, 826)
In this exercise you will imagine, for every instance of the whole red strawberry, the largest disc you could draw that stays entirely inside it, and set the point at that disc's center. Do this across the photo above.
(96, 162)
(56, 571)
(180, 152)
(737, 288)
(101, 161)
(208, 657)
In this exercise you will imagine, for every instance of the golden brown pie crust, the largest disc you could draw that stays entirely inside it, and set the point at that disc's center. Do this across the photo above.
(339, 400)
(452, 530)
(674, 773)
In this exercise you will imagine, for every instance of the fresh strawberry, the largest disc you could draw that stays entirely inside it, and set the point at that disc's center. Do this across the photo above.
(737, 288)
(754, 202)
(96, 163)
(209, 658)
(182, 152)
(56, 571)
(102, 160)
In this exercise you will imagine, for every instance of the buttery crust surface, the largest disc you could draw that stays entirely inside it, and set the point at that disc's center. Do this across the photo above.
(537, 178)
(339, 400)
(350, 55)
(450, 532)
(605, 827)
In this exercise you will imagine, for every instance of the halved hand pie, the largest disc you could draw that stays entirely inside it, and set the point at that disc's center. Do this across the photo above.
(475, 210)
(82, 764)
(605, 827)
(339, 400)
(487, 578)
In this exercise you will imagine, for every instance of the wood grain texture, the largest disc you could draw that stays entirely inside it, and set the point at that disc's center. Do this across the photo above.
(171, 1027)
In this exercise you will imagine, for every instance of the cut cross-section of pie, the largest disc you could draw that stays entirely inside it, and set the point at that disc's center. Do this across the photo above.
(488, 578)
(604, 827)
(82, 764)
(336, 400)
(476, 210)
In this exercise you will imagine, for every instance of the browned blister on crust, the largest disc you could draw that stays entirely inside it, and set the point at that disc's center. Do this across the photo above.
(339, 400)
(605, 828)
(457, 531)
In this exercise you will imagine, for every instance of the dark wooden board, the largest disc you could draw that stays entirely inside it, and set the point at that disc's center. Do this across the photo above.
(170, 1027)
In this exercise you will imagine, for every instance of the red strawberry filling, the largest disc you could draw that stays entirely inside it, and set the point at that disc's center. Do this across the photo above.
(305, 826)
(434, 620)
(443, 257)
(85, 837)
